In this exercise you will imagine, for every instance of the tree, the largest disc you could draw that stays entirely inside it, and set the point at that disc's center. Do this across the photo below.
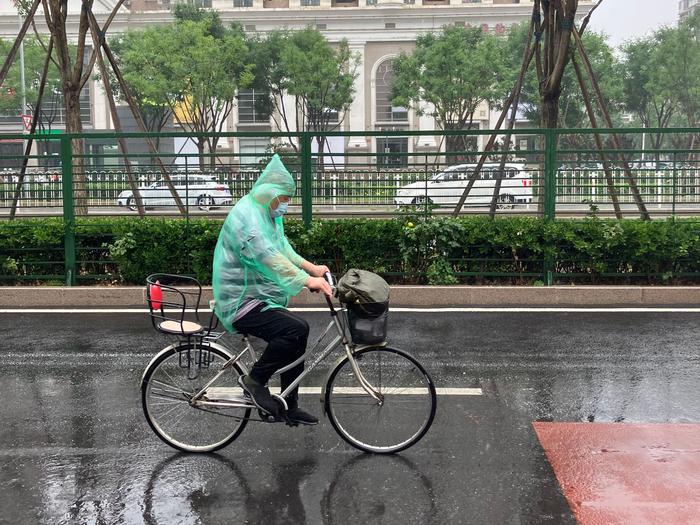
(453, 72)
(653, 107)
(190, 69)
(678, 69)
(319, 77)
(74, 72)
(553, 53)
(572, 110)
(661, 79)
(148, 89)
(11, 89)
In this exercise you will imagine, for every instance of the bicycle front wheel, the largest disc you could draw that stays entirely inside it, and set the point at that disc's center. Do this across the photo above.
(169, 383)
(405, 409)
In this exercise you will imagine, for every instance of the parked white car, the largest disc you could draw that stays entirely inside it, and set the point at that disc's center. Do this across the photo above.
(446, 187)
(194, 190)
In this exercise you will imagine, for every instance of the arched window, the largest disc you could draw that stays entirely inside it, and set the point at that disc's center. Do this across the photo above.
(386, 112)
(391, 151)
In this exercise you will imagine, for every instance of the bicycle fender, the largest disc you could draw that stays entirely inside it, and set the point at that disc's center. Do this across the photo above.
(337, 363)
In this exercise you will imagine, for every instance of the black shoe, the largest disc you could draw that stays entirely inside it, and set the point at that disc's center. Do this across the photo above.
(297, 415)
(261, 397)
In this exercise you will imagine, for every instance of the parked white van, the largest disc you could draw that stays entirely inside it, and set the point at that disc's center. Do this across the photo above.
(445, 188)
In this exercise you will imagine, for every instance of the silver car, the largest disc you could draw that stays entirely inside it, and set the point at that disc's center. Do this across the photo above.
(203, 191)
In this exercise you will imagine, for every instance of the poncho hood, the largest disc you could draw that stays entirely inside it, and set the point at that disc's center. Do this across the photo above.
(274, 182)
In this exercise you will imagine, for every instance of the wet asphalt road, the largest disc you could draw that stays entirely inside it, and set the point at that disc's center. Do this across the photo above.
(76, 449)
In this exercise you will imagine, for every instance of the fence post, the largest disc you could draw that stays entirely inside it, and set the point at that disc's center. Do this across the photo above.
(306, 180)
(68, 208)
(550, 195)
(675, 188)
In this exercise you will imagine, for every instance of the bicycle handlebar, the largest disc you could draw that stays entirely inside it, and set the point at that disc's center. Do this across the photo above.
(331, 282)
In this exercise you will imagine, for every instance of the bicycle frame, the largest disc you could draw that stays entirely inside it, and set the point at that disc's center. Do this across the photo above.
(339, 338)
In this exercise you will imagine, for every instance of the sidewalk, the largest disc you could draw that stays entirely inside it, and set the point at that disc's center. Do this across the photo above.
(409, 296)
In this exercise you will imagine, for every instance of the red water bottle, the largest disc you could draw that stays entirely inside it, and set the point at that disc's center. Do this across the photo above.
(156, 293)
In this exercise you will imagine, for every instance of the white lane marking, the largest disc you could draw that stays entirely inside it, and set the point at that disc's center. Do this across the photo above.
(405, 391)
(398, 309)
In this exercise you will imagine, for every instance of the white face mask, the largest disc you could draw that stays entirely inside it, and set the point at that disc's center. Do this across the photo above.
(280, 210)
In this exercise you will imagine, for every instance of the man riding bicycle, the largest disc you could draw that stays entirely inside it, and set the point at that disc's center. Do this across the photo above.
(256, 272)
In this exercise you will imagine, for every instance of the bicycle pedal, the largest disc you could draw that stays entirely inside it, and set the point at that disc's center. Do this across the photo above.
(267, 418)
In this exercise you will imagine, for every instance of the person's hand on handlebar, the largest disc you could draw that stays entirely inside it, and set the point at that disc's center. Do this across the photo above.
(319, 284)
(315, 270)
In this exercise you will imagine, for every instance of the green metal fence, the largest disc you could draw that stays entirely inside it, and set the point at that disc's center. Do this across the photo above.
(544, 173)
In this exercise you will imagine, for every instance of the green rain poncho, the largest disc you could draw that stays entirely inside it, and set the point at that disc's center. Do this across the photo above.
(253, 259)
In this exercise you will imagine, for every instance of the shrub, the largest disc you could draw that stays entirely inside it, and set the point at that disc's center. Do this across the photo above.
(433, 250)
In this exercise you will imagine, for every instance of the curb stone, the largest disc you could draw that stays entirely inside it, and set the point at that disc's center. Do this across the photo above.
(410, 296)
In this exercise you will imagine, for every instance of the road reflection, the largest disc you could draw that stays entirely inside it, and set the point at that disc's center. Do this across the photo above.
(379, 489)
(211, 488)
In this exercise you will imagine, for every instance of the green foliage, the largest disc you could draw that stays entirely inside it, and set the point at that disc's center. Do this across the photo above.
(426, 251)
(22, 6)
(11, 89)
(440, 272)
(572, 114)
(304, 65)
(453, 71)
(661, 79)
(191, 69)
(678, 71)
(31, 247)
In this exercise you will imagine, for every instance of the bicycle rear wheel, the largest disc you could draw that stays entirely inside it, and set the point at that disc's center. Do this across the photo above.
(169, 383)
(400, 418)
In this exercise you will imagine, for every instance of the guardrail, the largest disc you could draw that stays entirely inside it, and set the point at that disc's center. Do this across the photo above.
(545, 173)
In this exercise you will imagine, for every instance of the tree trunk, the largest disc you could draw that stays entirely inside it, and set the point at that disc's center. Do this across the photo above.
(200, 153)
(71, 98)
(550, 110)
(458, 148)
(214, 143)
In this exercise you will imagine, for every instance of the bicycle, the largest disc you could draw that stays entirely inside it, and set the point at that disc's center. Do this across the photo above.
(379, 399)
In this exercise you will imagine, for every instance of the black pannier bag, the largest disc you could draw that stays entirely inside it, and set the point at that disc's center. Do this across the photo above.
(366, 295)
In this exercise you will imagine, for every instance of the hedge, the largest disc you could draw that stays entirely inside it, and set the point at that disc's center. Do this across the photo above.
(514, 250)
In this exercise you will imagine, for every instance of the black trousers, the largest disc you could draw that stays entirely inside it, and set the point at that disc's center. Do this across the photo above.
(286, 335)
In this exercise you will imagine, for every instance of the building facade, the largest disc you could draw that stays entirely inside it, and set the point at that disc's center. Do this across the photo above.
(686, 7)
(376, 30)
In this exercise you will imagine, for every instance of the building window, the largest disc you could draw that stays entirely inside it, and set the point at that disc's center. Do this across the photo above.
(242, 3)
(253, 107)
(386, 112)
(391, 152)
(310, 3)
(345, 3)
(328, 115)
(276, 3)
(252, 151)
